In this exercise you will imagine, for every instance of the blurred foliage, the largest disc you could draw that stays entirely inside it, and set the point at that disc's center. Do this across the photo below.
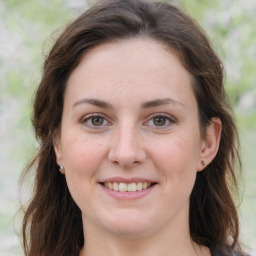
(28, 28)
(231, 27)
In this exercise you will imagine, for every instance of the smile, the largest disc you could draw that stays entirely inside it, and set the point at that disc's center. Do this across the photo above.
(127, 187)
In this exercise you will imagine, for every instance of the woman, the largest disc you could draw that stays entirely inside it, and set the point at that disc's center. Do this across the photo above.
(137, 143)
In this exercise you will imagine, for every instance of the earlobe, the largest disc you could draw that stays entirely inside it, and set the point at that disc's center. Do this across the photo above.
(61, 169)
(58, 150)
(210, 144)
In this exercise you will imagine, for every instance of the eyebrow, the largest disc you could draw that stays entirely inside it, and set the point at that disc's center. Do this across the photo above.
(94, 102)
(147, 104)
(160, 102)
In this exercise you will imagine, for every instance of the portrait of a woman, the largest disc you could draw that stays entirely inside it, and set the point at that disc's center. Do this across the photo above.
(138, 146)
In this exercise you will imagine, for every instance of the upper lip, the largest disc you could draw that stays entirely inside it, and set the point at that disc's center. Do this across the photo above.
(127, 180)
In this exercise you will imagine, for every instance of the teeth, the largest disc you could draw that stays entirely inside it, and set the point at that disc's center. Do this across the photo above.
(139, 186)
(122, 187)
(127, 187)
(110, 185)
(115, 186)
(132, 187)
(144, 185)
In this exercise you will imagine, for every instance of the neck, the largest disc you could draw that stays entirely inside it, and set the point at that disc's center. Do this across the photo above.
(173, 242)
(139, 247)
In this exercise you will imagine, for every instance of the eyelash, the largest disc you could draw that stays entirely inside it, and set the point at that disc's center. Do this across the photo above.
(89, 118)
(166, 117)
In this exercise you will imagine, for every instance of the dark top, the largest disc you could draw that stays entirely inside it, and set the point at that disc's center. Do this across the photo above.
(225, 251)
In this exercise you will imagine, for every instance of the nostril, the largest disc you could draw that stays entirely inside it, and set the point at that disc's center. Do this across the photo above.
(125, 149)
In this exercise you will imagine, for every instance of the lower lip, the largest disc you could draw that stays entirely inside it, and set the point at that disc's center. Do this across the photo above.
(128, 195)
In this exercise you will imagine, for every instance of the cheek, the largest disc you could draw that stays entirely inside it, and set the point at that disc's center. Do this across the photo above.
(82, 159)
(177, 160)
(180, 151)
(82, 156)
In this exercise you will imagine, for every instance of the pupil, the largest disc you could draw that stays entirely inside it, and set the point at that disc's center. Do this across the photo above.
(97, 121)
(159, 121)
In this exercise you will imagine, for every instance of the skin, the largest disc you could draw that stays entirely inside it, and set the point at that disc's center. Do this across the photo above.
(126, 80)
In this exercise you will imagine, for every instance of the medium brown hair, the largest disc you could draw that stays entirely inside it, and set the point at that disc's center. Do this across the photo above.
(52, 223)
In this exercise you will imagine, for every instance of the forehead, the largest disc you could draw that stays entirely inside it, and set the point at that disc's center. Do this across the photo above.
(134, 67)
(149, 52)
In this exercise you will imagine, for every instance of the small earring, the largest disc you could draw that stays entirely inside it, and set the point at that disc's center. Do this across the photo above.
(202, 163)
(61, 168)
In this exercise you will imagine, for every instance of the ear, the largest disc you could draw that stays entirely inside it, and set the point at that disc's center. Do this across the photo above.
(210, 143)
(58, 149)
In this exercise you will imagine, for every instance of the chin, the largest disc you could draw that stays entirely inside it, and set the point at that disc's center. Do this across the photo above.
(129, 227)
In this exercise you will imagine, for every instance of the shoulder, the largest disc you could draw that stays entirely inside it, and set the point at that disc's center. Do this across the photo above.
(226, 251)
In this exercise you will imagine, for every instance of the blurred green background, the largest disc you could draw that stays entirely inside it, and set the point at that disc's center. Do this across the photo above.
(28, 28)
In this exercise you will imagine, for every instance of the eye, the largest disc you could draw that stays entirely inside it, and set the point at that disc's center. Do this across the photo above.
(160, 121)
(95, 121)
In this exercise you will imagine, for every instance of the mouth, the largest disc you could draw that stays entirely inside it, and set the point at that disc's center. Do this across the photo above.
(128, 187)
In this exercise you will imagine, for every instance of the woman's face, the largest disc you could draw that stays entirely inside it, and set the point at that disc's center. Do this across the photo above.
(130, 122)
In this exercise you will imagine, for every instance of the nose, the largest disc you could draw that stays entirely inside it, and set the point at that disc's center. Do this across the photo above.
(126, 147)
